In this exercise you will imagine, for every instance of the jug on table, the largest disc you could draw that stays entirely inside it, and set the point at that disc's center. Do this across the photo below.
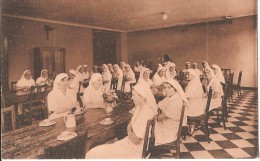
(70, 120)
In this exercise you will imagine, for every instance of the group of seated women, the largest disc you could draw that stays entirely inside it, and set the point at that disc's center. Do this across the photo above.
(61, 100)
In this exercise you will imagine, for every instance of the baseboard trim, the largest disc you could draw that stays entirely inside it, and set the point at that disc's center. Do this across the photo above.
(249, 88)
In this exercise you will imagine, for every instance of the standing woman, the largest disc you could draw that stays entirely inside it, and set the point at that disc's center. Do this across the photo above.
(85, 73)
(79, 73)
(218, 73)
(26, 81)
(93, 94)
(43, 78)
(211, 80)
(119, 75)
(171, 71)
(130, 78)
(107, 76)
(73, 84)
(60, 101)
(122, 66)
(131, 146)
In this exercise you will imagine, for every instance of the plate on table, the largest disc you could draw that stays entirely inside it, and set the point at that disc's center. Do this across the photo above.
(79, 112)
(47, 122)
(106, 122)
(66, 135)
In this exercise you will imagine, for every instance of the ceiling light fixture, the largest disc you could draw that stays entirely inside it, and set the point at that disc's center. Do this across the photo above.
(164, 16)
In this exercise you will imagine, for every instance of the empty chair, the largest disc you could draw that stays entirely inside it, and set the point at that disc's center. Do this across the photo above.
(74, 148)
(202, 120)
(13, 86)
(230, 89)
(238, 87)
(37, 99)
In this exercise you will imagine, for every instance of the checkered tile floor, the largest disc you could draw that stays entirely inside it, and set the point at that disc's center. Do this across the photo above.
(239, 140)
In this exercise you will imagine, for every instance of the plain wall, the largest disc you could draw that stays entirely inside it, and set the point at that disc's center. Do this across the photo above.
(230, 45)
(24, 35)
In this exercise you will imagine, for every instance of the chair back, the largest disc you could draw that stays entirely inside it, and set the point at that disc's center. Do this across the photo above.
(38, 93)
(239, 78)
(180, 125)
(2, 100)
(208, 104)
(149, 138)
(13, 86)
(114, 83)
(71, 149)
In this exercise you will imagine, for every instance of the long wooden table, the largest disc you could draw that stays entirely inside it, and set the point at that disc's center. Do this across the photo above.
(29, 142)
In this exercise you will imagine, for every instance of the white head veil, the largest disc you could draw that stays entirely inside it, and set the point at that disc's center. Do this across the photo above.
(94, 77)
(141, 77)
(107, 72)
(118, 69)
(44, 70)
(57, 80)
(147, 94)
(72, 71)
(23, 75)
(78, 68)
(219, 73)
(178, 88)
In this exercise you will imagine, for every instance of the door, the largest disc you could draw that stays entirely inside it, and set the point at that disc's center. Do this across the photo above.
(104, 47)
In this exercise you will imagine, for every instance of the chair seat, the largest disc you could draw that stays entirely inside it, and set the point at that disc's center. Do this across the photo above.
(171, 145)
(217, 109)
(200, 117)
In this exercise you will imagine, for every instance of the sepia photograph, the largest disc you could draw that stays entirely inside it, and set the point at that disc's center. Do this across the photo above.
(129, 79)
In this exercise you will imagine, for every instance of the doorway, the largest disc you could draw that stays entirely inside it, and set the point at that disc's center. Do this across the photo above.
(104, 47)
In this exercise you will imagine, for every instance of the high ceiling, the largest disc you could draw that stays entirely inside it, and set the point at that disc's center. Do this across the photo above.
(127, 15)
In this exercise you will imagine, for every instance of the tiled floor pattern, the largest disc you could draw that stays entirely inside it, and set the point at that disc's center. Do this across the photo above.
(239, 140)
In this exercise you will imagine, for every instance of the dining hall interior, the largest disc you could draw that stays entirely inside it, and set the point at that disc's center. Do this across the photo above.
(124, 79)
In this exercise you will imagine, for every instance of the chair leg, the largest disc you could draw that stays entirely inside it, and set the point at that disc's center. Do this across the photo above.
(178, 152)
(218, 117)
(207, 131)
(13, 118)
(223, 119)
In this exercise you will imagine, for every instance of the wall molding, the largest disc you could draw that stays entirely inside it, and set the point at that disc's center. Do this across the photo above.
(59, 22)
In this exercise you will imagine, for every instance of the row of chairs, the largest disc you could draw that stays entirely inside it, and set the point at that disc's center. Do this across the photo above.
(36, 100)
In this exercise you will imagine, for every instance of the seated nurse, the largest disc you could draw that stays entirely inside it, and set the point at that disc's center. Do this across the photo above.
(166, 127)
(26, 81)
(60, 100)
(131, 146)
(93, 94)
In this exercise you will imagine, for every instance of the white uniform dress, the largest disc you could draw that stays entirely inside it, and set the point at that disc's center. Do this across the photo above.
(56, 99)
(194, 92)
(166, 130)
(124, 148)
(94, 96)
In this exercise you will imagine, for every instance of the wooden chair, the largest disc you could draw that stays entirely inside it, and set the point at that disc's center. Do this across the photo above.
(175, 145)
(5, 110)
(237, 86)
(226, 73)
(149, 149)
(13, 86)
(79, 95)
(149, 138)
(230, 84)
(37, 99)
(202, 120)
(221, 111)
(74, 148)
